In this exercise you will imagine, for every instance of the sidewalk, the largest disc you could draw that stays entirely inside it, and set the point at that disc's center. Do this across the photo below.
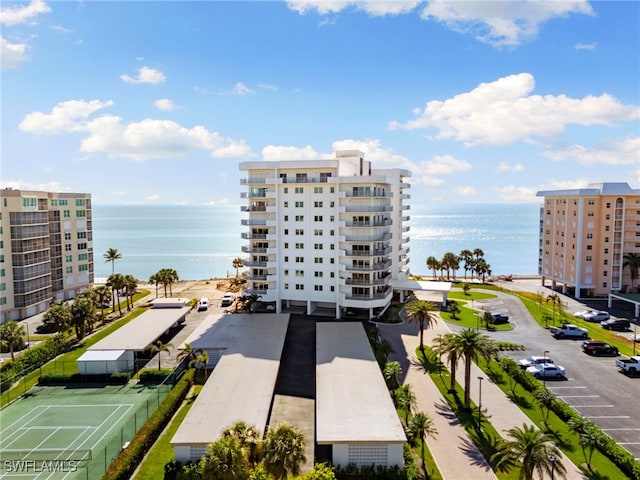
(452, 449)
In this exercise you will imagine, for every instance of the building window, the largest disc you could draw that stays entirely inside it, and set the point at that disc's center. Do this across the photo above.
(332, 218)
(331, 189)
(332, 203)
(286, 204)
(588, 258)
(286, 286)
(286, 259)
(606, 262)
(608, 204)
(299, 204)
(317, 232)
(299, 218)
(604, 284)
(286, 189)
(606, 251)
(83, 257)
(299, 231)
(286, 231)
(299, 273)
(83, 268)
(317, 218)
(299, 190)
(331, 232)
(286, 218)
(68, 247)
(286, 244)
(332, 261)
(317, 260)
(591, 202)
(67, 236)
(318, 274)
(332, 288)
(332, 246)
(317, 288)
(606, 239)
(299, 246)
(605, 273)
(318, 204)
(81, 213)
(299, 259)
(317, 189)
(317, 246)
(589, 236)
(589, 247)
(299, 286)
(333, 275)
(69, 269)
(286, 273)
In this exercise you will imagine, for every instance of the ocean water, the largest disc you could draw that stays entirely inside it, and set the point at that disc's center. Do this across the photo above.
(200, 242)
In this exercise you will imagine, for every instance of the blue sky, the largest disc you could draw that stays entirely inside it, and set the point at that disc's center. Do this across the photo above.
(158, 102)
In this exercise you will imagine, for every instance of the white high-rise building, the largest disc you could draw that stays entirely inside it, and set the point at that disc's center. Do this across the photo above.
(325, 234)
(46, 250)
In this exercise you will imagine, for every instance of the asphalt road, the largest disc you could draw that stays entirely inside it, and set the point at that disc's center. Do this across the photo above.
(594, 387)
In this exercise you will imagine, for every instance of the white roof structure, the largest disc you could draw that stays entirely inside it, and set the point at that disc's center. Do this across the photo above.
(100, 355)
(170, 302)
(143, 330)
(242, 384)
(442, 287)
(352, 400)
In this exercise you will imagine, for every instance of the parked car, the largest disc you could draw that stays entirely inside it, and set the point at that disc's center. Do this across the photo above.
(629, 365)
(203, 304)
(227, 299)
(546, 370)
(582, 313)
(569, 330)
(533, 360)
(596, 347)
(616, 324)
(596, 316)
(500, 318)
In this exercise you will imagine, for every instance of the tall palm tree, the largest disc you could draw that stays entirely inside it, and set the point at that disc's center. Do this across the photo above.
(59, 315)
(421, 426)
(447, 345)
(103, 295)
(555, 300)
(433, 264)
(225, 460)
(12, 336)
(187, 352)
(470, 344)
(117, 282)
(451, 262)
(158, 348)
(546, 398)
(155, 280)
(466, 256)
(201, 362)
(284, 451)
(632, 260)
(422, 313)
(167, 276)
(406, 399)
(237, 264)
(392, 373)
(590, 437)
(111, 255)
(130, 285)
(83, 315)
(531, 451)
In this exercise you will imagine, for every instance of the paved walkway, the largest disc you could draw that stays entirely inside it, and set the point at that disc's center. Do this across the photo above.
(452, 449)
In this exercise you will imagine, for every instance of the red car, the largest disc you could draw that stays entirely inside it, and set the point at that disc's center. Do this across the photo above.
(596, 347)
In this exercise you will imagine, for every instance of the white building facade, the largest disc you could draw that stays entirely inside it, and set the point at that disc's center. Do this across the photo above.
(325, 234)
(46, 250)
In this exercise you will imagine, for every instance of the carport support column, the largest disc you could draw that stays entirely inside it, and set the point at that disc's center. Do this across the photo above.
(444, 299)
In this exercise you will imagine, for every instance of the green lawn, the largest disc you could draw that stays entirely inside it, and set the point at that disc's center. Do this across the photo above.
(152, 467)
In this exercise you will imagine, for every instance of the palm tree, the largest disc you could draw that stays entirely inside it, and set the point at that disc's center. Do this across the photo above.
(83, 314)
(12, 336)
(225, 460)
(531, 450)
(59, 315)
(447, 345)
(248, 436)
(590, 437)
(112, 255)
(237, 264)
(454, 309)
(451, 262)
(466, 256)
(470, 344)
(555, 300)
(433, 264)
(392, 372)
(546, 399)
(158, 348)
(482, 268)
(103, 295)
(130, 285)
(201, 362)
(423, 313)
(284, 451)
(117, 282)
(187, 352)
(167, 276)
(155, 280)
(421, 426)
(406, 400)
(632, 260)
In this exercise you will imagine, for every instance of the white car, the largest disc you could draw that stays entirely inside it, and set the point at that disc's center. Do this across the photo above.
(227, 299)
(203, 304)
(546, 370)
(582, 313)
(596, 316)
(533, 360)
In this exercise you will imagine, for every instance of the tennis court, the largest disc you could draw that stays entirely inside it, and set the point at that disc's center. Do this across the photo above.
(57, 433)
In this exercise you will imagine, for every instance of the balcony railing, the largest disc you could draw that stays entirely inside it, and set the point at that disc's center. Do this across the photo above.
(368, 253)
(362, 238)
(251, 249)
(369, 268)
(254, 263)
(254, 221)
(372, 282)
(305, 179)
(371, 296)
(257, 180)
(253, 236)
(376, 223)
(357, 208)
(253, 208)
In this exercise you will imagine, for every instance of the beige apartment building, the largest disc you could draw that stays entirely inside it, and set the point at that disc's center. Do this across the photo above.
(46, 250)
(586, 236)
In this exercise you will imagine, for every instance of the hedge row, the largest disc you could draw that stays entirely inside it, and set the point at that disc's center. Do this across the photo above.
(117, 378)
(126, 462)
(31, 359)
(607, 446)
(154, 376)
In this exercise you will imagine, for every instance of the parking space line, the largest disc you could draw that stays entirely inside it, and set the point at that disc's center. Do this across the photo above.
(609, 416)
(578, 396)
(592, 406)
(555, 388)
(618, 429)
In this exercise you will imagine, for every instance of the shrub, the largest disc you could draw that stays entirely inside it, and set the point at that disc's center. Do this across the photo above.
(154, 375)
(125, 463)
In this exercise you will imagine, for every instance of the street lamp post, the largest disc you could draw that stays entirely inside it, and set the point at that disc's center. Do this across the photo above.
(544, 377)
(635, 336)
(26, 324)
(480, 404)
(552, 459)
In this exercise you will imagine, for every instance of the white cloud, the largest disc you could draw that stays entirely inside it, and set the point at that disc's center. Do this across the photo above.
(619, 152)
(221, 201)
(505, 167)
(137, 141)
(568, 184)
(65, 117)
(465, 191)
(60, 28)
(501, 24)
(53, 186)
(145, 75)
(283, 152)
(12, 54)
(152, 198)
(241, 89)
(374, 152)
(268, 86)
(16, 14)
(518, 195)
(445, 165)
(504, 112)
(586, 46)
(165, 105)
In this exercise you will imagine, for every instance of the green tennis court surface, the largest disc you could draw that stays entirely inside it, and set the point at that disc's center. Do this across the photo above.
(69, 433)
